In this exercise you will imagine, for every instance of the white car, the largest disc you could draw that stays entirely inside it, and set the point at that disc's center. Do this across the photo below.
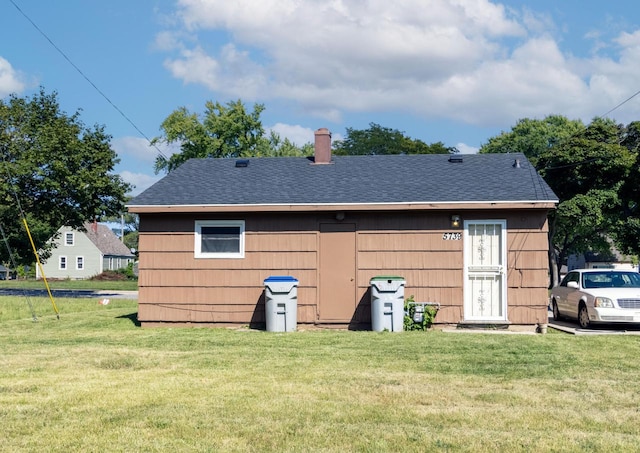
(598, 296)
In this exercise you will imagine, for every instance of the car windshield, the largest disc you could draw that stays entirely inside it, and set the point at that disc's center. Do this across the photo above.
(611, 280)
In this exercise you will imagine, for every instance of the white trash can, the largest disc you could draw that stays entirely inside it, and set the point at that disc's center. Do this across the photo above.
(387, 303)
(281, 303)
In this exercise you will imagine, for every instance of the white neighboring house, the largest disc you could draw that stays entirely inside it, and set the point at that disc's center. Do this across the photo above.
(80, 255)
(593, 260)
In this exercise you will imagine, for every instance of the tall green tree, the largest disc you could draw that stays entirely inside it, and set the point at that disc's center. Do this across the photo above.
(627, 228)
(533, 137)
(383, 140)
(224, 130)
(586, 167)
(54, 171)
(588, 172)
(274, 145)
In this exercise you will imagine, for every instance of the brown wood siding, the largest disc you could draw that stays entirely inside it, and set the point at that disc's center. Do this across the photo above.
(177, 287)
(527, 268)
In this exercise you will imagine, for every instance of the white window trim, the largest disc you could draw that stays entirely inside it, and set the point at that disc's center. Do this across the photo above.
(66, 263)
(217, 223)
(73, 239)
(79, 268)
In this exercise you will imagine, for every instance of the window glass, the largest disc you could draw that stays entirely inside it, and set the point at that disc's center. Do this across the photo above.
(570, 277)
(223, 239)
(631, 279)
(68, 239)
(62, 263)
(80, 262)
(219, 239)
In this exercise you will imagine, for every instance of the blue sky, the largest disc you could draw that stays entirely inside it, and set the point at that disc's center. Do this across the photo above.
(455, 71)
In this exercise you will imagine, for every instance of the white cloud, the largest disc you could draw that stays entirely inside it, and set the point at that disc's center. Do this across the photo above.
(140, 181)
(296, 134)
(167, 41)
(231, 71)
(466, 149)
(195, 66)
(11, 81)
(139, 149)
(534, 80)
(474, 61)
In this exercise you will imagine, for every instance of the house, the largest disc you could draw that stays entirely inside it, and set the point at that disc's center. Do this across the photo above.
(84, 254)
(594, 260)
(466, 231)
(5, 273)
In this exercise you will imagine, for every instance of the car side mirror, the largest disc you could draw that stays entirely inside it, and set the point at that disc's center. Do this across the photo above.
(573, 285)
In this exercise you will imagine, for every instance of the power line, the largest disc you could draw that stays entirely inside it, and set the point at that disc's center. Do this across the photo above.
(622, 103)
(586, 127)
(88, 79)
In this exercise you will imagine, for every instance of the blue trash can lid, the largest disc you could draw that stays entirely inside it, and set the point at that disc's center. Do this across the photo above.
(280, 278)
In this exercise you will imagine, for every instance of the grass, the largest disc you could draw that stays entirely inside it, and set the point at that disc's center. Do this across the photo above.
(115, 285)
(95, 381)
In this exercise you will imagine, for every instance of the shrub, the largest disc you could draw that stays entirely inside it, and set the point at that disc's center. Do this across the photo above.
(117, 275)
(410, 310)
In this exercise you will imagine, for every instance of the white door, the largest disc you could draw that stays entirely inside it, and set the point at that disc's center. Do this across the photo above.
(485, 258)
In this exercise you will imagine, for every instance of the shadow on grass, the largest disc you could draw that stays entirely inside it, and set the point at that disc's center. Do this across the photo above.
(133, 317)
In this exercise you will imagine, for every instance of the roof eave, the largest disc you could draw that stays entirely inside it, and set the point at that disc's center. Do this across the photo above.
(303, 207)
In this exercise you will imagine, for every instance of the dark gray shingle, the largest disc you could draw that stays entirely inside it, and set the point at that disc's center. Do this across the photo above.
(350, 179)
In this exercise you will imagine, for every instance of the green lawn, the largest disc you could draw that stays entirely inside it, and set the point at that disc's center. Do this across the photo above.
(125, 285)
(95, 381)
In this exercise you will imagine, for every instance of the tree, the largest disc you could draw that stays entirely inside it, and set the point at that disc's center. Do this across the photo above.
(223, 131)
(55, 172)
(533, 137)
(585, 167)
(383, 140)
(275, 146)
(626, 231)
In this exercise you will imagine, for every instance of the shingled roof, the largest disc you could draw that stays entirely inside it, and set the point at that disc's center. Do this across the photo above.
(372, 179)
(106, 241)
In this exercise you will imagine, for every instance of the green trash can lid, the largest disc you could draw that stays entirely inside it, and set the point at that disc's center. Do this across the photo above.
(387, 277)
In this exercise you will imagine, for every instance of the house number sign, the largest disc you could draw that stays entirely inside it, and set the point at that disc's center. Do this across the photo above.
(451, 236)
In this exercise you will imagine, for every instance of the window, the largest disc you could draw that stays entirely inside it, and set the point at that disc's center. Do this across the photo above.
(68, 238)
(219, 239)
(570, 277)
(79, 262)
(62, 263)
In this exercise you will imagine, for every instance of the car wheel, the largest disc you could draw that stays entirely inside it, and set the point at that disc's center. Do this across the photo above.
(556, 311)
(583, 317)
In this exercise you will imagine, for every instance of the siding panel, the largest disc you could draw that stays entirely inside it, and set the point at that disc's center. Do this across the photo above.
(403, 241)
(174, 286)
(422, 259)
(252, 260)
(217, 278)
(215, 296)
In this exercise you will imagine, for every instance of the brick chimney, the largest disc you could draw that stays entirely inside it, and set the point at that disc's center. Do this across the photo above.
(322, 153)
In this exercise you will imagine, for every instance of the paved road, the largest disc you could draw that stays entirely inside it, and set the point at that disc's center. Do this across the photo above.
(79, 293)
